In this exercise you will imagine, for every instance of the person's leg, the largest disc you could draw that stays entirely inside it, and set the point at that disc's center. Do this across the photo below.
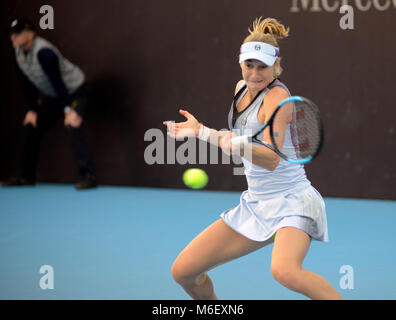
(81, 150)
(290, 248)
(30, 149)
(47, 115)
(80, 146)
(214, 246)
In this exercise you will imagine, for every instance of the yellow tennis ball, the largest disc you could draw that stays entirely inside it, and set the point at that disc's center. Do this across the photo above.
(195, 178)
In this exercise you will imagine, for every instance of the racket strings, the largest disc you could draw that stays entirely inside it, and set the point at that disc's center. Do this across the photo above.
(306, 129)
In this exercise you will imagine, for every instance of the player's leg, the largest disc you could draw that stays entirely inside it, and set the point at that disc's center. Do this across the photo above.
(214, 246)
(290, 248)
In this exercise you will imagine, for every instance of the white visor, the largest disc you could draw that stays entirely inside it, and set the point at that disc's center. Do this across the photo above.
(261, 51)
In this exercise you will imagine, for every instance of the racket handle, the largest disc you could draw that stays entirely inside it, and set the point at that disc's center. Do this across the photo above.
(240, 140)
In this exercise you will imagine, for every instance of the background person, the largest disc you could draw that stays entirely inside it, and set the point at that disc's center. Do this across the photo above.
(53, 88)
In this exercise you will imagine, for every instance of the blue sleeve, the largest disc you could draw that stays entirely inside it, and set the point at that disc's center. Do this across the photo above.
(29, 91)
(50, 63)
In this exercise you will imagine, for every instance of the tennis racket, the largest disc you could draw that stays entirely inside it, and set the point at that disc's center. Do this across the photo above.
(306, 129)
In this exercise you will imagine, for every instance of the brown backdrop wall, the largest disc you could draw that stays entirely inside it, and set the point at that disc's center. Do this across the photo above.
(145, 59)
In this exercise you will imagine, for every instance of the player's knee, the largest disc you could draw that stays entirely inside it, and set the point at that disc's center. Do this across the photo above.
(178, 273)
(286, 275)
(181, 275)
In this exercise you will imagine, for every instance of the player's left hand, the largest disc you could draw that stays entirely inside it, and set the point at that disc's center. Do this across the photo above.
(73, 119)
(186, 129)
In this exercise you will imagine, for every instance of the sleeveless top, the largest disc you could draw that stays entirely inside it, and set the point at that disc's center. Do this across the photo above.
(263, 183)
(72, 76)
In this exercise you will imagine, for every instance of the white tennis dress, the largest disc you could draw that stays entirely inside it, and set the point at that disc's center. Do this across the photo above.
(274, 199)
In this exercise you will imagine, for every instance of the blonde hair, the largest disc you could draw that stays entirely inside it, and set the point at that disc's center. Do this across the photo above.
(268, 31)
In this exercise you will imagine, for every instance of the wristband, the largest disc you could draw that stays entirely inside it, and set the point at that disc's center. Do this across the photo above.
(203, 133)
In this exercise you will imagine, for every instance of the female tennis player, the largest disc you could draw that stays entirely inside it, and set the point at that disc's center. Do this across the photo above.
(280, 199)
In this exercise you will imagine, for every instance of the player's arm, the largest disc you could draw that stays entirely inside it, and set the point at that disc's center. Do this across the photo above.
(261, 155)
(193, 128)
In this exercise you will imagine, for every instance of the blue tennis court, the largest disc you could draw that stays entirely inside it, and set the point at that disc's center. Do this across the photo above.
(120, 243)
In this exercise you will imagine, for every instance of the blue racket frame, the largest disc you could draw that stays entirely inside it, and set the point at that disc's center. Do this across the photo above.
(272, 134)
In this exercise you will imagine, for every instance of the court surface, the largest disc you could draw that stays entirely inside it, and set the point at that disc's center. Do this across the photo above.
(120, 243)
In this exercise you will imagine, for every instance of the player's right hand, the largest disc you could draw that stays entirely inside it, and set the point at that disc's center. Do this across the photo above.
(226, 145)
(188, 128)
(30, 117)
